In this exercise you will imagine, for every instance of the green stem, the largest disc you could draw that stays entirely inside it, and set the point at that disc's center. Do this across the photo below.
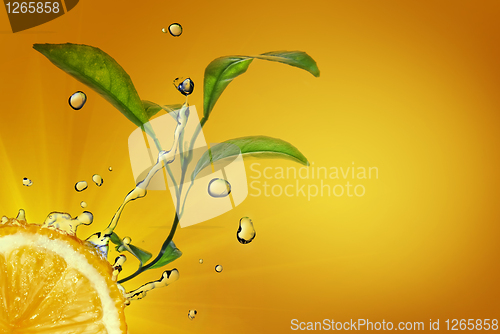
(176, 218)
(160, 254)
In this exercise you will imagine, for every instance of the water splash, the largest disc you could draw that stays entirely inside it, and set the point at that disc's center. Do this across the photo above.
(101, 239)
(168, 277)
(62, 221)
(117, 266)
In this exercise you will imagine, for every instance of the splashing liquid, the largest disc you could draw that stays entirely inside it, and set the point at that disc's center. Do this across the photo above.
(64, 223)
(77, 100)
(219, 188)
(81, 186)
(246, 232)
(101, 239)
(168, 277)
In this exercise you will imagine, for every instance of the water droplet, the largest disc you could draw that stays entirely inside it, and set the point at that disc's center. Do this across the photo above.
(27, 182)
(219, 188)
(175, 29)
(81, 186)
(164, 30)
(246, 232)
(77, 100)
(192, 314)
(97, 179)
(218, 268)
(201, 261)
(185, 86)
(110, 168)
(86, 218)
(83, 204)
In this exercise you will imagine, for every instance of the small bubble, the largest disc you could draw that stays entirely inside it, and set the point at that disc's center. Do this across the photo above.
(192, 314)
(246, 232)
(201, 261)
(77, 100)
(97, 179)
(219, 188)
(81, 186)
(110, 168)
(27, 182)
(83, 204)
(164, 30)
(185, 86)
(218, 268)
(175, 29)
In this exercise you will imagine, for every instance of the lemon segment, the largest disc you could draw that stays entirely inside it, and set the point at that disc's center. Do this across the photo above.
(51, 282)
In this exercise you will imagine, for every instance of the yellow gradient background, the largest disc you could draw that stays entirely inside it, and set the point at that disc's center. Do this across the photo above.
(409, 87)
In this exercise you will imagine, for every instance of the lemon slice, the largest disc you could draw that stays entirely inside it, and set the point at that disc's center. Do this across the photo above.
(51, 282)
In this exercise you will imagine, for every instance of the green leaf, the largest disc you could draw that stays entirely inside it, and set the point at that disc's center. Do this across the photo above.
(218, 74)
(260, 146)
(170, 254)
(141, 254)
(221, 71)
(293, 58)
(115, 239)
(100, 72)
(153, 108)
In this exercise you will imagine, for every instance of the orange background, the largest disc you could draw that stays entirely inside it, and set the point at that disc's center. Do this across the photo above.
(408, 87)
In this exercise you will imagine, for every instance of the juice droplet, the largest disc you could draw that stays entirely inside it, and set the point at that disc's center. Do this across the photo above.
(201, 261)
(192, 314)
(81, 186)
(83, 204)
(110, 168)
(27, 182)
(246, 232)
(219, 188)
(77, 100)
(175, 29)
(185, 86)
(97, 179)
(218, 268)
